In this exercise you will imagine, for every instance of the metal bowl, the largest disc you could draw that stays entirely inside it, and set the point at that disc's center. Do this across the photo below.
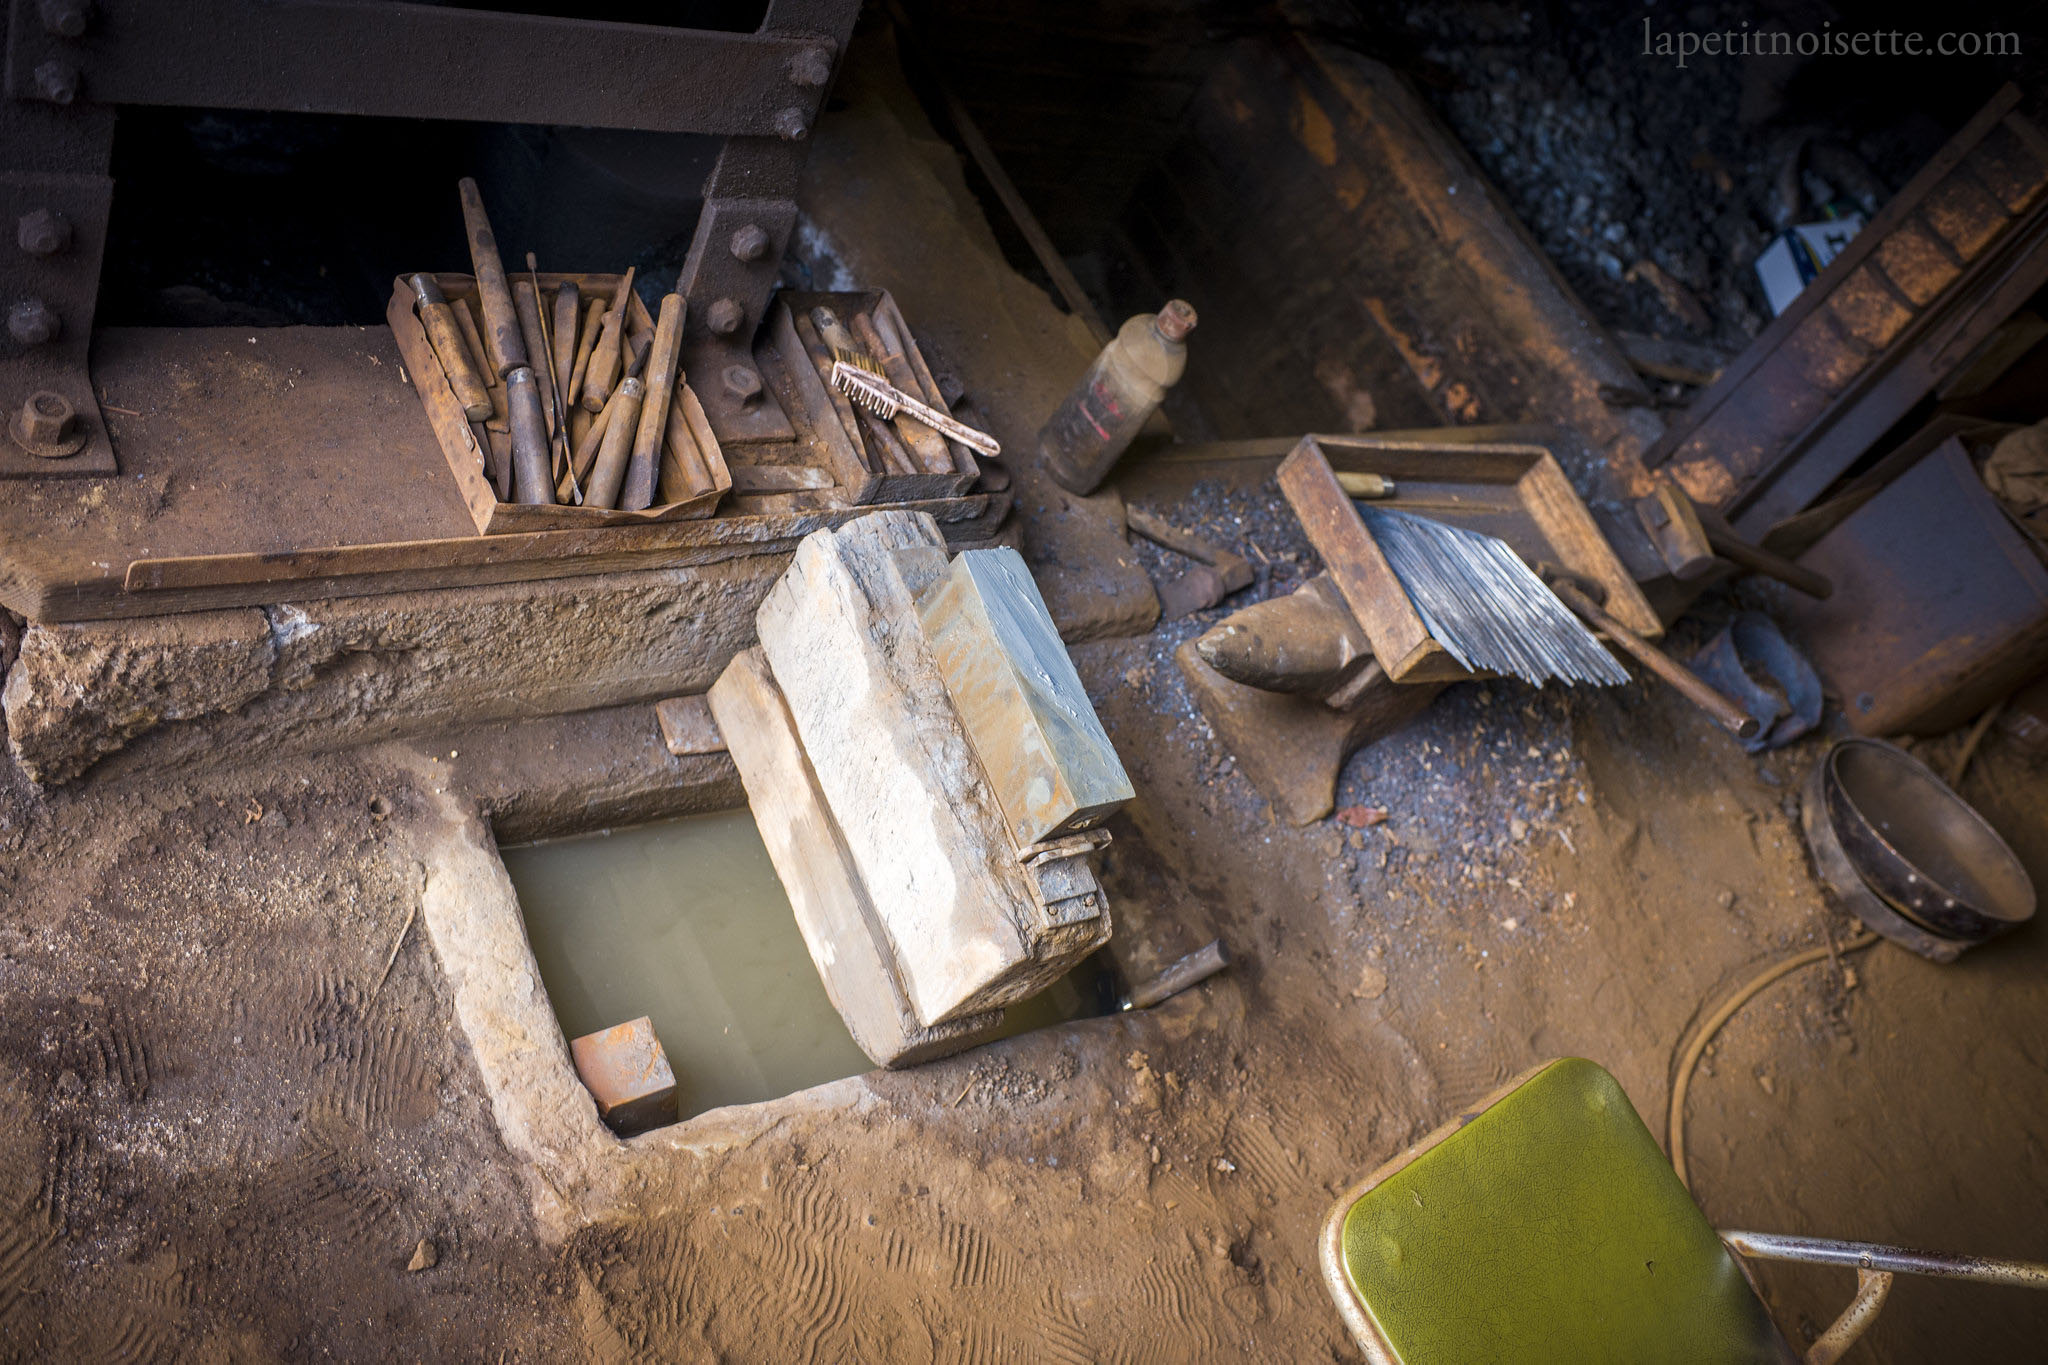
(1920, 846)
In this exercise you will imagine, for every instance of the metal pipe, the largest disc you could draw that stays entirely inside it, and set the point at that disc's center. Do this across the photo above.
(1871, 1288)
(1771, 1246)
(1197, 967)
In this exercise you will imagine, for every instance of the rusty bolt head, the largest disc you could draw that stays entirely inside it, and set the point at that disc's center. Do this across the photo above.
(48, 425)
(57, 82)
(750, 243)
(743, 385)
(725, 316)
(46, 418)
(811, 67)
(43, 232)
(33, 322)
(65, 18)
(790, 125)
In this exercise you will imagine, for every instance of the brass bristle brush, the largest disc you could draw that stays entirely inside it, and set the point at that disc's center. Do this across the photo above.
(855, 374)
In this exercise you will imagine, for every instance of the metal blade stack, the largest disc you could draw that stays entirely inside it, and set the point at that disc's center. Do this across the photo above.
(1486, 607)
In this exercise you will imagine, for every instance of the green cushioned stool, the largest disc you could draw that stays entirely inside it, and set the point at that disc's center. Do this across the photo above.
(1547, 1225)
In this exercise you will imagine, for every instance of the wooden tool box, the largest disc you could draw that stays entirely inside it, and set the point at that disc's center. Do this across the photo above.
(687, 488)
(1515, 492)
(861, 474)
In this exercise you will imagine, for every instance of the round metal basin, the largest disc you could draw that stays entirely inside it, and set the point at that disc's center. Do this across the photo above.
(1920, 846)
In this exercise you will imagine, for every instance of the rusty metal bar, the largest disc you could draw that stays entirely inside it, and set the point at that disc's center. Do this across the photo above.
(428, 61)
(1771, 1246)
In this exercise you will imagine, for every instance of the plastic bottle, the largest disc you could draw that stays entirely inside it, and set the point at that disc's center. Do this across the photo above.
(1081, 441)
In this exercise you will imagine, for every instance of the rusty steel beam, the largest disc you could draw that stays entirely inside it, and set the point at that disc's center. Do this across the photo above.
(425, 61)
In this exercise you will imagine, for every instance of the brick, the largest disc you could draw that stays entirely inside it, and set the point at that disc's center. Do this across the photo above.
(628, 1075)
(1916, 263)
(1867, 310)
(1964, 213)
(2009, 168)
(1823, 355)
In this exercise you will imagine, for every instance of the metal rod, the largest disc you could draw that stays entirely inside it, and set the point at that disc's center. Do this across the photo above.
(1197, 967)
(1731, 717)
(1772, 1246)
(1759, 560)
(1871, 1288)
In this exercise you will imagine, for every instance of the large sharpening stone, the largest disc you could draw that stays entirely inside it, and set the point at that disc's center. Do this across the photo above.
(967, 921)
(1043, 750)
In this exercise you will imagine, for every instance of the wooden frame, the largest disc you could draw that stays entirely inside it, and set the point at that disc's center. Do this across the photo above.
(458, 439)
(859, 471)
(1514, 490)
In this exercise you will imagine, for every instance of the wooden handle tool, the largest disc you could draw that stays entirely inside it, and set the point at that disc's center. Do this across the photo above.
(616, 449)
(586, 341)
(501, 322)
(445, 336)
(526, 305)
(1731, 717)
(878, 337)
(568, 308)
(533, 475)
(645, 468)
(606, 355)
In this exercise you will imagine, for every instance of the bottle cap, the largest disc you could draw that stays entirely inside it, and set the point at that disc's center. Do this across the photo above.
(1175, 320)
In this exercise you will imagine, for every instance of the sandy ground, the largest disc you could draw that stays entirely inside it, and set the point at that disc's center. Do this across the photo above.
(235, 1107)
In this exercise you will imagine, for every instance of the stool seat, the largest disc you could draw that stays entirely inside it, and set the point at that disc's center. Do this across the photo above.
(1546, 1225)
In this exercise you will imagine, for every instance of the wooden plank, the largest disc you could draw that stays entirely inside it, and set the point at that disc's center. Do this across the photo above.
(1564, 521)
(832, 907)
(1400, 641)
(841, 633)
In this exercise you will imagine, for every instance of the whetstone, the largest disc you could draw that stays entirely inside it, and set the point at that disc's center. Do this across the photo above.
(1040, 743)
(842, 636)
(832, 908)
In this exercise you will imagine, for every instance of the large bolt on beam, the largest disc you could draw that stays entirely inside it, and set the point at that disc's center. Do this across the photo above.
(791, 125)
(725, 316)
(65, 18)
(43, 232)
(811, 67)
(48, 425)
(743, 385)
(33, 323)
(57, 81)
(750, 243)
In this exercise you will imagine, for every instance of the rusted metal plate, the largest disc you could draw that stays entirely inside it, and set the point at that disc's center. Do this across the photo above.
(435, 61)
(1911, 298)
(1940, 604)
(65, 282)
(628, 1075)
(687, 726)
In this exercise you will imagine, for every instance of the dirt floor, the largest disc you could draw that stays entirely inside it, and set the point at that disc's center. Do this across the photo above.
(239, 1120)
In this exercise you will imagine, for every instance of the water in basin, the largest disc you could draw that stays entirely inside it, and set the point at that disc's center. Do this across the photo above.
(685, 922)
